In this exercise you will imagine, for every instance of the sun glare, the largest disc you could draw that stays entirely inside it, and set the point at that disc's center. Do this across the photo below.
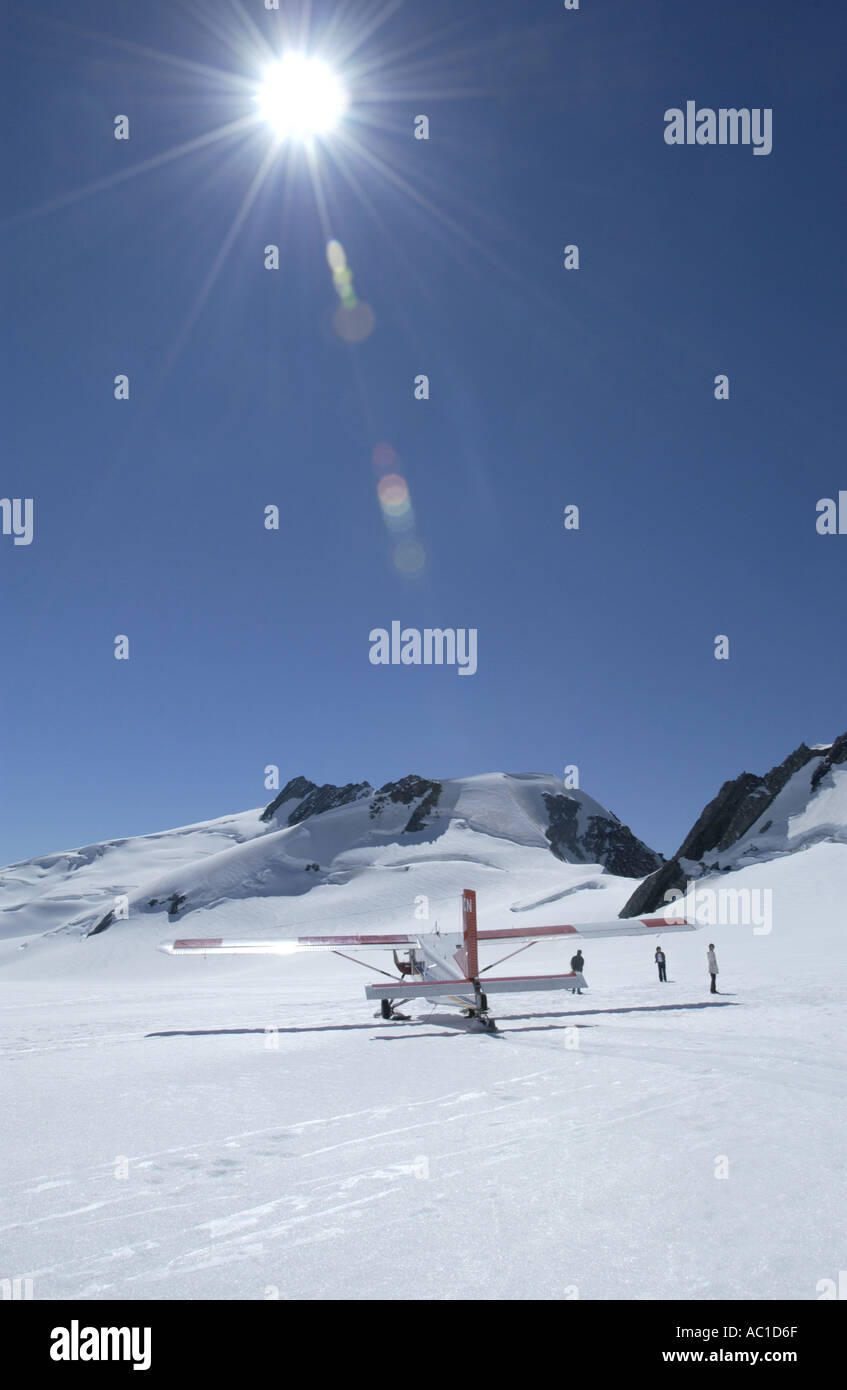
(301, 97)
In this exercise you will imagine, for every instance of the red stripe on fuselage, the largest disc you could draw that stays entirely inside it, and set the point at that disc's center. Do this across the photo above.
(357, 940)
(525, 934)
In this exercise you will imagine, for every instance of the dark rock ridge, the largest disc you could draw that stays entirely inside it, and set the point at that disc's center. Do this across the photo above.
(726, 819)
(603, 841)
(836, 754)
(404, 792)
(327, 798)
(312, 799)
(573, 835)
(596, 839)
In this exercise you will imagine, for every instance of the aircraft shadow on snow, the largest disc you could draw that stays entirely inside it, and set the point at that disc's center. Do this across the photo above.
(628, 1009)
(458, 1026)
(226, 1032)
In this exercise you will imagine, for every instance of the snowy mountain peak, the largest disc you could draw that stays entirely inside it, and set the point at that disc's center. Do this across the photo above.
(301, 798)
(799, 802)
(344, 848)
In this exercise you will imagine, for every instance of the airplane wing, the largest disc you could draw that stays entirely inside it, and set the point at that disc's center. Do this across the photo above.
(270, 946)
(622, 926)
(497, 984)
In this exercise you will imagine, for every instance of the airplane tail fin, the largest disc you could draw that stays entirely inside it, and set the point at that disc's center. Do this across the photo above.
(470, 933)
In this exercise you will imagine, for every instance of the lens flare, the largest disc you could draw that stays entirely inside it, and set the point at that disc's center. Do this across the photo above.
(393, 493)
(354, 325)
(384, 458)
(342, 275)
(409, 557)
(336, 256)
(353, 320)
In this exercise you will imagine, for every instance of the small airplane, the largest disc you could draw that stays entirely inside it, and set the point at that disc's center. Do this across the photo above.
(441, 967)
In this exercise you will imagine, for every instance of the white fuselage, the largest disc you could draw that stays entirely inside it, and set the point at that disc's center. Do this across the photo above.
(441, 957)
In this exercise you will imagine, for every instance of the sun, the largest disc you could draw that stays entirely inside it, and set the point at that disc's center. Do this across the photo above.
(301, 97)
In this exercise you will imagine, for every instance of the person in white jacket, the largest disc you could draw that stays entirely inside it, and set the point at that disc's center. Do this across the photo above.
(712, 962)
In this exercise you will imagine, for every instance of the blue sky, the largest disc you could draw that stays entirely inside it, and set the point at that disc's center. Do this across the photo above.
(548, 387)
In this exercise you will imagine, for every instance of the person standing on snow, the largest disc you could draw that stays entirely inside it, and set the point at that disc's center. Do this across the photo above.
(662, 962)
(712, 962)
(577, 962)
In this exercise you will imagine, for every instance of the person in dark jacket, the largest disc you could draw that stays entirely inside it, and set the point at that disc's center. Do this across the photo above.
(662, 962)
(577, 962)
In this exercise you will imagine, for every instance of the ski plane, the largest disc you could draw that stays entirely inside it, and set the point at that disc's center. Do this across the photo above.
(442, 967)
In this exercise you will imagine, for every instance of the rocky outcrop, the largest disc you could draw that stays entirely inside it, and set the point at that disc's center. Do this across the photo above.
(294, 790)
(312, 799)
(327, 798)
(615, 847)
(726, 819)
(404, 792)
(749, 806)
(602, 840)
(417, 820)
(836, 754)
